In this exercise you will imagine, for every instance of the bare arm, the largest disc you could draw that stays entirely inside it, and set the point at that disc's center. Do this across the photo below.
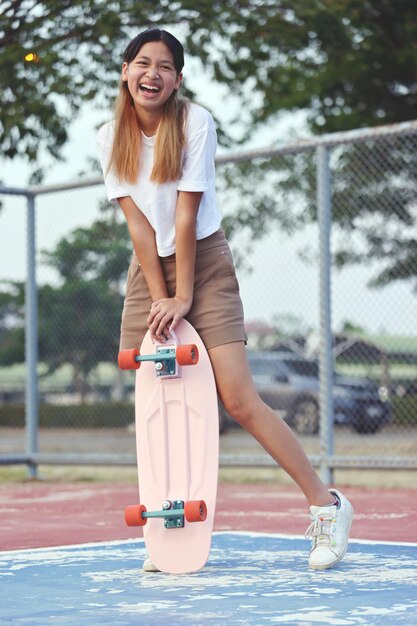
(168, 311)
(185, 244)
(143, 238)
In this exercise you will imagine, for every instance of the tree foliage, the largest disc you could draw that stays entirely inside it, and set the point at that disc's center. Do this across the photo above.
(349, 63)
(12, 336)
(75, 47)
(375, 208)
(79, 324)
(79, 318)
(346, 63)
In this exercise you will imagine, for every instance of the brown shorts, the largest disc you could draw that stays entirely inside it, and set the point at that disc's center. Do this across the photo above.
(216, 312)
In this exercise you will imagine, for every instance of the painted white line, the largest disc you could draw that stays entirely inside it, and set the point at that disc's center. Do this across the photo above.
(283, 536)
(74, 546)
(140, 541)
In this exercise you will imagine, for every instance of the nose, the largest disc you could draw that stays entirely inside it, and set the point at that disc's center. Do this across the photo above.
(152, 72)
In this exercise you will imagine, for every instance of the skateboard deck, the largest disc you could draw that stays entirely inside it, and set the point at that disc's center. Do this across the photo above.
(177, 441)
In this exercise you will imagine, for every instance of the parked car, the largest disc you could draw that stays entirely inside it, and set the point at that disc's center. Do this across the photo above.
(289, 384)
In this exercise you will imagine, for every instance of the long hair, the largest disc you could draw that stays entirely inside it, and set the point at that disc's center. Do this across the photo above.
(124, 157)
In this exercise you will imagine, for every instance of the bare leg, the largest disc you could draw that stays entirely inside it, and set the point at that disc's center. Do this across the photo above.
(242, 402)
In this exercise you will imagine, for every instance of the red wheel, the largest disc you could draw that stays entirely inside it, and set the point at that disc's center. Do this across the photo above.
(187, 355)
(126, 359)
(133, 515)
(195, 511)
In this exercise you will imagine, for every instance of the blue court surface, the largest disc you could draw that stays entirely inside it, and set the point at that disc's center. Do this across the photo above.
(250, 579)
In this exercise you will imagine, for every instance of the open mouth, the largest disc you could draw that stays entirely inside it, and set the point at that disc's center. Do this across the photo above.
(148, 88)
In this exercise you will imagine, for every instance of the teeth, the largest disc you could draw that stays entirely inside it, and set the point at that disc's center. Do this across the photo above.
(150, 87)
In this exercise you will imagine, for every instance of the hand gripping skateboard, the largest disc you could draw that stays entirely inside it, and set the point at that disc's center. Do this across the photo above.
(177, 442)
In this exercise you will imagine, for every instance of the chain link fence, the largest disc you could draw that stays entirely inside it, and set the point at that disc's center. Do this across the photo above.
(331, 313)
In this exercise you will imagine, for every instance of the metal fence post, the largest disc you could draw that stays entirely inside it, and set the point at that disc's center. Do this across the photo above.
(326, 344)
(31, 341)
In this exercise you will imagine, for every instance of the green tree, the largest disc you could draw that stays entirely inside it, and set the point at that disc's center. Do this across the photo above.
(79, 325)
(100, 252)
(12, 337)
(79, 318)
(57, 54)
(347, 63)
(54, 56)
(374, 206)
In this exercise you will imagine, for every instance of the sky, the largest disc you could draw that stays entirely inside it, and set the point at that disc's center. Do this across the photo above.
(279, 285)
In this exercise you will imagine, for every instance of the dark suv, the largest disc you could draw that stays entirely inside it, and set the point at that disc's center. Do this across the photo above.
(289, 384)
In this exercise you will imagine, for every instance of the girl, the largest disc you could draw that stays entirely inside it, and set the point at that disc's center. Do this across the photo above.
(158, 162)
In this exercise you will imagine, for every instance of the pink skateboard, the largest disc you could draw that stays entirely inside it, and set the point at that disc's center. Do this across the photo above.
(177, 439)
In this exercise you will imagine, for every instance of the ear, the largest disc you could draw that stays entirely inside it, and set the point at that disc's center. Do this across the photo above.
(178, 81)
(125, 67)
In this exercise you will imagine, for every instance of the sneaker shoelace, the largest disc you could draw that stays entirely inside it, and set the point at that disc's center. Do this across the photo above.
(321, 530)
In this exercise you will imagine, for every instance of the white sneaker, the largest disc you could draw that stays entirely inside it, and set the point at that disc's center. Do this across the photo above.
(148, 566)
(329, 532)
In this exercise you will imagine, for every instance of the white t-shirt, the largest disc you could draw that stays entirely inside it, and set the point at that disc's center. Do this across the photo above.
(158, 201)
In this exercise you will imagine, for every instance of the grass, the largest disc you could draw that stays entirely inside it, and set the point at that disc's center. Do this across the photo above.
(380, 479)
(397, 371)
(13, 377)
(70, 474)
(395, 343)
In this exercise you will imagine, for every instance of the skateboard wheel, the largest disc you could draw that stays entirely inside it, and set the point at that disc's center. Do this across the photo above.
(187, 355)
(195, 511)
(133, 515)
(127, 361)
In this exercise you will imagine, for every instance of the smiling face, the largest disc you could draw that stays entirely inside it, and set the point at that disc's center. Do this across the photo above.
(151, 78)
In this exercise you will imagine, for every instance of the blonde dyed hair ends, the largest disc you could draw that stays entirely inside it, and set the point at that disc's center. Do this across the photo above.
(170, 139)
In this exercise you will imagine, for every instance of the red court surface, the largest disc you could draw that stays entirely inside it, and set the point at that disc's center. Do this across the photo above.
(50, 514)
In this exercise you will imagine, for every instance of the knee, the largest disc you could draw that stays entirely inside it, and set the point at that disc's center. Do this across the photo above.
(240, 408)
